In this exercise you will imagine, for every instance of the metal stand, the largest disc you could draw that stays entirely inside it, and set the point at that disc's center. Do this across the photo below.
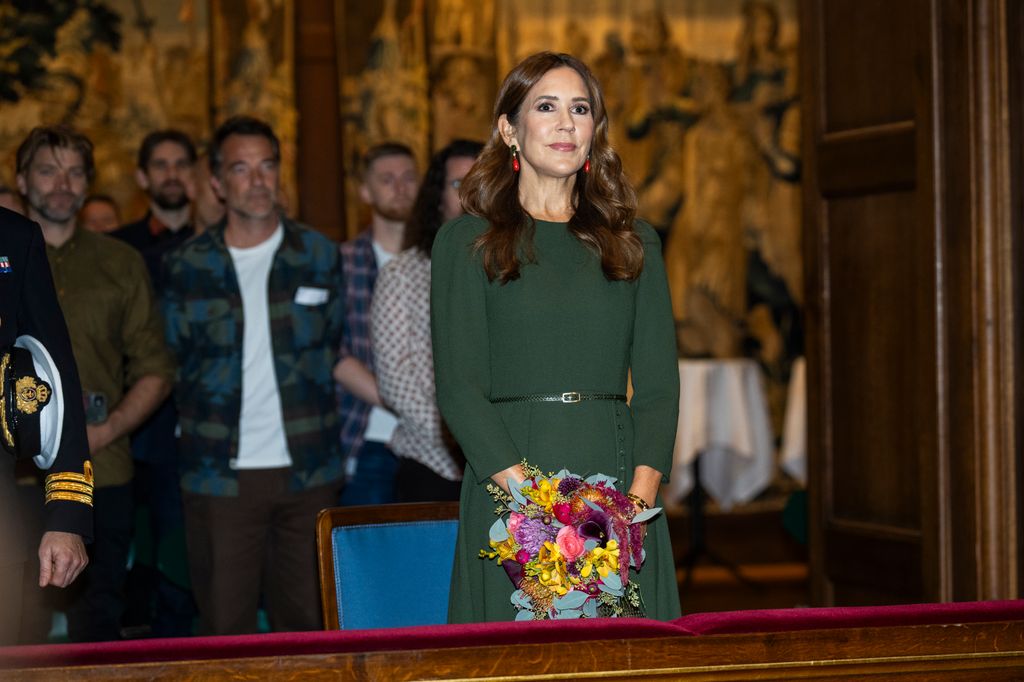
(698, 544)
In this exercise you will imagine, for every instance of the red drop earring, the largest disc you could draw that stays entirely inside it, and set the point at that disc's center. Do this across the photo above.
(586, 165)
(515, 159)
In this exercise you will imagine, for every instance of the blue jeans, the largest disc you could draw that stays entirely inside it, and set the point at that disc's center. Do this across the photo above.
(374, 479)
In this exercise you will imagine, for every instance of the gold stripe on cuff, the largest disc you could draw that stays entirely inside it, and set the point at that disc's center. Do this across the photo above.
(69, 497)
(69, 486)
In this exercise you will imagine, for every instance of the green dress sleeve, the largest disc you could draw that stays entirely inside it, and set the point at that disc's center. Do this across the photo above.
(654, 363)
(462, 372)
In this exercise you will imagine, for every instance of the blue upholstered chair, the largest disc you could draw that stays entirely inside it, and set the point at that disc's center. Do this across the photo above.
(386, 566)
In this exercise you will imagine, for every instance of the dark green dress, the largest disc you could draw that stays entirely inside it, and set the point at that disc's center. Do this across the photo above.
(560, 327)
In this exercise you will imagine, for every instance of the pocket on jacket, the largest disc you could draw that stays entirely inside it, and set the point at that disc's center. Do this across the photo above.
(308, 324)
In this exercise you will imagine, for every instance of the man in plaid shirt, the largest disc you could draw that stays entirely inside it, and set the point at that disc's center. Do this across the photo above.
(254, 317)
(389, 184)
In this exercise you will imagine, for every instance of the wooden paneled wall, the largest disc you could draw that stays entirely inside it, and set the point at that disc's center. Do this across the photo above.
(913, 300)
(322, 201)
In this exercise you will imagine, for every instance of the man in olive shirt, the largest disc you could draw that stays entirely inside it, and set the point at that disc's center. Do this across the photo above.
(117, 339)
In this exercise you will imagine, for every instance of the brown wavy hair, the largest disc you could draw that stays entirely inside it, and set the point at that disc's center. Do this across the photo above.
(604, 203)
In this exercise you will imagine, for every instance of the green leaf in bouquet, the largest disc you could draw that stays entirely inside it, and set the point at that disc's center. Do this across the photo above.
(589, 545)
(516, 495)
(524, 615)
(590, 608)
(595, 479)
(522, 600)
(592, 505)
(499, 531)
(564, 473)
(611, 584)
(568, 613)
(646, 515)
(573, 599)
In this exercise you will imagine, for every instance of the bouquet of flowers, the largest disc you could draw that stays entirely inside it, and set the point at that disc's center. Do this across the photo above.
(567, 545)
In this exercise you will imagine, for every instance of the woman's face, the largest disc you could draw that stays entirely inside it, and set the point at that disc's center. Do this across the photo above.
(555, 126)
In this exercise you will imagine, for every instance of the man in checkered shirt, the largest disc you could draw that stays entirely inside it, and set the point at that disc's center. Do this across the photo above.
(390, 180)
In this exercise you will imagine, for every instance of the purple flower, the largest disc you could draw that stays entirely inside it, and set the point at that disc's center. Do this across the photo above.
(569, 485)
(514, 571)
(533, 533)
(595, 527)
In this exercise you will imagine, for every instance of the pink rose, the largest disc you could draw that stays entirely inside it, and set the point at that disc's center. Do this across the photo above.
(514, 519)
(563, 512)
(569, 544)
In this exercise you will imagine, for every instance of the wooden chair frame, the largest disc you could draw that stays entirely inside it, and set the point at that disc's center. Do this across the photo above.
(329, 519)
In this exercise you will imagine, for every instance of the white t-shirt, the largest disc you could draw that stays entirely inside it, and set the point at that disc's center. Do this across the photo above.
(261, 438)
(381, 423)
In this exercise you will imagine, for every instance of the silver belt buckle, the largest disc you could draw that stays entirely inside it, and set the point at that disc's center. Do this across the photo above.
(571, 397)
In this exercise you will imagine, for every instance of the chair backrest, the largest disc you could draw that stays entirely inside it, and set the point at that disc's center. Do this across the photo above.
(386, 565)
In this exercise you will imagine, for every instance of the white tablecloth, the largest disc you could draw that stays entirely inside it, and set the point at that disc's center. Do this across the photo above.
(723, 418)
(794, 434)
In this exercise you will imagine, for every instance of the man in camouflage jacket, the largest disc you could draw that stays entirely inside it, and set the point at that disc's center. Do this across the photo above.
(253, 315)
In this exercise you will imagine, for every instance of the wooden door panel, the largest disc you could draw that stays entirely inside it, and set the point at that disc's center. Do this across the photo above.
(885, 562)
(912, 236)
(881, 344)
(868, 60)
(873, 334)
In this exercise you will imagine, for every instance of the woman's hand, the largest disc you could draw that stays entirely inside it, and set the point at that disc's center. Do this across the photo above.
(646, 481)
(506, 477)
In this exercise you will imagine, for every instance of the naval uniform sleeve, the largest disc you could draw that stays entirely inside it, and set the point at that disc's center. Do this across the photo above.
(39, 315)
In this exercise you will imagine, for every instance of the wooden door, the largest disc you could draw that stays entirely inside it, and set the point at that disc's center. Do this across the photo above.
(910, 242)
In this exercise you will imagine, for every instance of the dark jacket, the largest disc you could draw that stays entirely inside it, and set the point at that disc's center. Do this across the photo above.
(203, 318)
(28, 305)
(153, 247)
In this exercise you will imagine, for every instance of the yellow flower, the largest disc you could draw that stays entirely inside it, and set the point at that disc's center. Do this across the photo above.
(502, 551)
(544, 493)
(604, 560)
(550, 569)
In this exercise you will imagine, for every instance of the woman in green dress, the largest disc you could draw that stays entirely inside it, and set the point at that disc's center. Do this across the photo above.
(546, 299)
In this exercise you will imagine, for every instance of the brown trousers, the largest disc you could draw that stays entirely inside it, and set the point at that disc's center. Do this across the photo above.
(261, 542)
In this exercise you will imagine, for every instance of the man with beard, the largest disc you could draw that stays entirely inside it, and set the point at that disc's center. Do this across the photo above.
(389, 184)
(159, 602)
(165, 173)
(253, 314)
(117, 341)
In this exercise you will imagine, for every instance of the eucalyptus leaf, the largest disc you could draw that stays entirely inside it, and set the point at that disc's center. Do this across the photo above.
(601, 478)
(564, 473)
(646, 515)
(573, 599)
(524, 615)
(590, 608)
(568, 613)
(499, 532)
(609, 590)
(522, 600)
(589, 545)
(613, 581)
(516, 495)
(592, 505)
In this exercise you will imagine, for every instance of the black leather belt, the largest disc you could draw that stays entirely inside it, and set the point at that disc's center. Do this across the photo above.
(567, 397)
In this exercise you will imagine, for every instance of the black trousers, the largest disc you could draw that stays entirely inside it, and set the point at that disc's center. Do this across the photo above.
(415, 482)
(95, 601)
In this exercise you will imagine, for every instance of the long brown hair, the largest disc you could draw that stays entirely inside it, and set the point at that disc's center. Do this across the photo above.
(603, 200)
